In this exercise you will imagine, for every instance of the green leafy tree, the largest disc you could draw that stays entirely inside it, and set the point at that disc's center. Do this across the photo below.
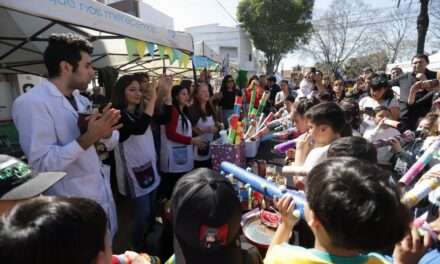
(276, 27)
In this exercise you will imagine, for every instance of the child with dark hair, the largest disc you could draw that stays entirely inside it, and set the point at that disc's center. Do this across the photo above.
(206, 220)
(299, 114)
(356, 147)
(287, 109)
(352, 115)
(382, 132)
(353, 209)
(56, 230)
(326, 122)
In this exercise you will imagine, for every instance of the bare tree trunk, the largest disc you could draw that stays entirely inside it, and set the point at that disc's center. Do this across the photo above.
(270, 64)
(422, 26)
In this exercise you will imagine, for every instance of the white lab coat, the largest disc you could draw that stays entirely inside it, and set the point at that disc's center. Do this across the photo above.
(47, 126)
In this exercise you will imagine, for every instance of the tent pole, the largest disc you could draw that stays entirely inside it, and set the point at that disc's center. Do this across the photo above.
(164, 70)
(194, 72)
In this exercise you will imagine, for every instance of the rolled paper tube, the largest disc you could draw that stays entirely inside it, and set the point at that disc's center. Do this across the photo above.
(263, 186)
(392, 123)
(274, 124)
(252, 101)
(266, 120)
(231, 136)
(260, 120)
(263, 102)
(279, 128)
(429, 84)
(294, 171)
(249, 132)
(267, 137)
(417, 167)
(420, 191)
(237, 105)
(283, 147)
(286, 134)
(261, 132)
(423, 226)
(428, 229)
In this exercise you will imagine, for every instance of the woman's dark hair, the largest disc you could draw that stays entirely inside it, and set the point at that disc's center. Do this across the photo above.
(141, 76)
(64, 47)
(225, 80)
(118, 93)
(175, 91)
(339, 82)
(254, 77)
(327, 114)
(291, 98)
(380, 109)
(355, 147)
(186, 84)
(381, 81)
(358, 204)
(196, 104)
(53, 230)
(304, 104)
(352, 112)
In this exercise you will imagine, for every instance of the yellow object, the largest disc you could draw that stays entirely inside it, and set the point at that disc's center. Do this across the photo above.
(140, 47)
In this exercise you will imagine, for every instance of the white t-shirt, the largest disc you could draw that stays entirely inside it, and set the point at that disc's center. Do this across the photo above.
(280, 97)
(372, 103)
(384, 154)
(316, 156)
(369, 102)
(305, 89)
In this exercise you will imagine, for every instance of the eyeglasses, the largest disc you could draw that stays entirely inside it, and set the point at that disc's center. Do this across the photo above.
(230, 81)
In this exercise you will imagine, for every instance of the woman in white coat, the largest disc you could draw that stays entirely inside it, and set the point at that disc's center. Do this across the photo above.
(176, 152)
(135, 156)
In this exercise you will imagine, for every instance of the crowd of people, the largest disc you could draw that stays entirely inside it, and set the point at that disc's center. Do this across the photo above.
(355, 142)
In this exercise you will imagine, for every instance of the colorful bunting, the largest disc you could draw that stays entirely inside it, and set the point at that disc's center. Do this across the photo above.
(131, 45)
(185, 60)
(161, 51)
(140, 47)
(151, 49)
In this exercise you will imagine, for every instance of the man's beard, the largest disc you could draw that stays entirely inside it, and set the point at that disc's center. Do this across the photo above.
(81, 86)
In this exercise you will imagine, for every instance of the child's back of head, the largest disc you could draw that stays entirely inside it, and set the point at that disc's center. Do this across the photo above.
(355, 147)
(357, 204)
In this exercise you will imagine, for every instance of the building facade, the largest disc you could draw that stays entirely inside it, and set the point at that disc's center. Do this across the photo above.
(233, 44)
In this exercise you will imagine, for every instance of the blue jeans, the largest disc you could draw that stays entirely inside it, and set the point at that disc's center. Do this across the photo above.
(144, 212)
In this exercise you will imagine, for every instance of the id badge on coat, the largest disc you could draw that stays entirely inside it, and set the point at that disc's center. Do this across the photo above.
(180, 155)
(144, 175)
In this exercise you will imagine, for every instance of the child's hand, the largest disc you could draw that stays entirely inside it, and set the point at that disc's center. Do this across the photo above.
(395, 145)
(137, 258)
(304, 143)
(412, 248)
(285, 207)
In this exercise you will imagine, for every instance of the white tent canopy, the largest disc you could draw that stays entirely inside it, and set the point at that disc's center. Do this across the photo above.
(26, 26)
(201, 49)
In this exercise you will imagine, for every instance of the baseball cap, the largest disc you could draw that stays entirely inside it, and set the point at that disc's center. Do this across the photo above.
(206, 218)
(17, 181)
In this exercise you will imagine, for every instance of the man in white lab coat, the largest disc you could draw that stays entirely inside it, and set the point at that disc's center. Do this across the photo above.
(47, 121)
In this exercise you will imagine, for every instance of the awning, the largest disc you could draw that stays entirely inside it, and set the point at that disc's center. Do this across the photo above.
(26, 26)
